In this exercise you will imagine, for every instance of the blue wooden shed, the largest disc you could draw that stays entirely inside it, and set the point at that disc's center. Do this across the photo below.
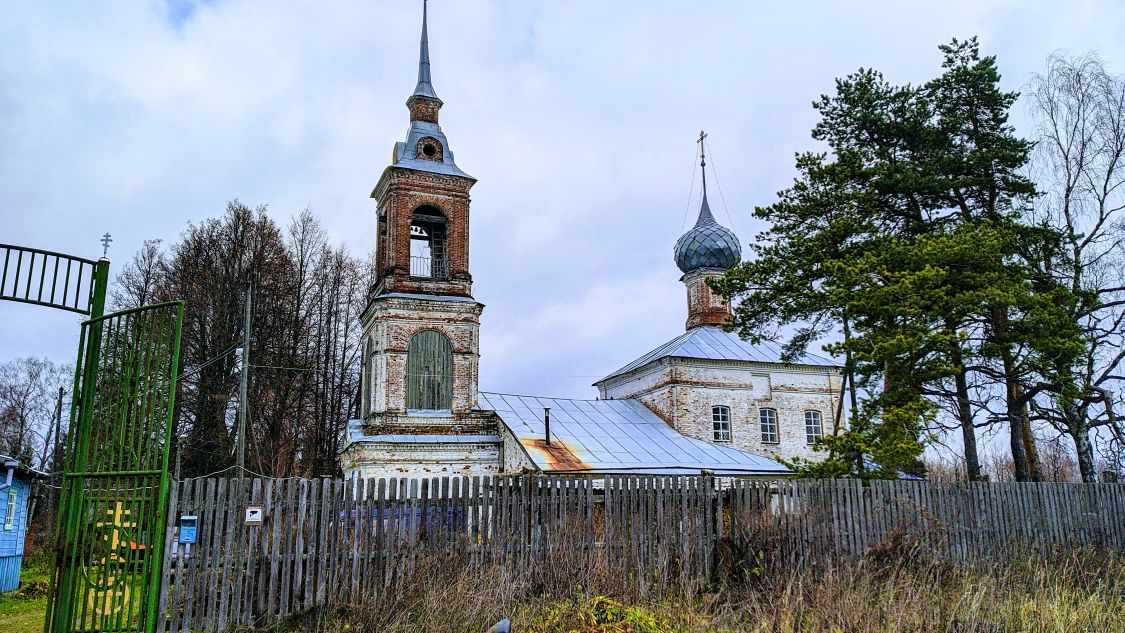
(15, 496)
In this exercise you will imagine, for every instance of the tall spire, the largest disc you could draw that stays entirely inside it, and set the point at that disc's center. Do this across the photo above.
(704, 208)
(424, 87)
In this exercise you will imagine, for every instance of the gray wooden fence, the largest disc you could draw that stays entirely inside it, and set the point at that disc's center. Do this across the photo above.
(330, 542)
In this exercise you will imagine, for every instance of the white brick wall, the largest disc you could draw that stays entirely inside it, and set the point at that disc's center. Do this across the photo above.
(683, 391)
(366, 460)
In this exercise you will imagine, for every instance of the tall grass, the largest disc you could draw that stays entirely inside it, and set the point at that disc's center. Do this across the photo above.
(897, 588)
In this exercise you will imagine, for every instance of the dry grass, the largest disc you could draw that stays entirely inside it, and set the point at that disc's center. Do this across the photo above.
(896, 589)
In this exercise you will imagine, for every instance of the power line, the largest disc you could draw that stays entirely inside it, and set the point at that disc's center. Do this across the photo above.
(720, 186)
(208, 362)
(691, 190)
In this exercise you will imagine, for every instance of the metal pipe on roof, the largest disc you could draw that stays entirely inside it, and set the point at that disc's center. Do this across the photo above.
(547, 425)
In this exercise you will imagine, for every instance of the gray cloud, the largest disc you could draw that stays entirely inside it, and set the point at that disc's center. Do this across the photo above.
(578, 119)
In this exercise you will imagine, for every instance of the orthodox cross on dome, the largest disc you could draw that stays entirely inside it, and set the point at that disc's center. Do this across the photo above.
(703, 164)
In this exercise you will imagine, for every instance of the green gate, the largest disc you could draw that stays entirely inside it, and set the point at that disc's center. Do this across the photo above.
(110, 529)
(115, 489)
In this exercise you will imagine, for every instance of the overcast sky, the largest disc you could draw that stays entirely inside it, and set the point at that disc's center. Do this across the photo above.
(577, 118)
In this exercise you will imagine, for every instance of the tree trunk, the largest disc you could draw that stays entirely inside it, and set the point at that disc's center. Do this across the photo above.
(1034, 466)
(1078, 431)
(965, 413)
(1019, 432)
(1015, 415)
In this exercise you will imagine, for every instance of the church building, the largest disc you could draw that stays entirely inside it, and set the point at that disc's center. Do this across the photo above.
(705, 400)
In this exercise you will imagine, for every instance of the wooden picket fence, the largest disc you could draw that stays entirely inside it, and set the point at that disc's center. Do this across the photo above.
(329, 542)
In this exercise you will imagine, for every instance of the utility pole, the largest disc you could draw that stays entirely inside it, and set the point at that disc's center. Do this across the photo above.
(244, 381)
(56, 459)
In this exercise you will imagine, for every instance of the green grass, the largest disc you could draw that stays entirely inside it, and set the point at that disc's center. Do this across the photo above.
(23, 611)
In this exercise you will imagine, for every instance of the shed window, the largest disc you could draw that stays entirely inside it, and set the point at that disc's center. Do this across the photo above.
(767, 418)
(720, 418)
(427, 243)
(429, 372)
(812, 426)
(10, 520)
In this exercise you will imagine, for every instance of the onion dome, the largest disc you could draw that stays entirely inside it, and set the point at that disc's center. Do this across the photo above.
(708, 244)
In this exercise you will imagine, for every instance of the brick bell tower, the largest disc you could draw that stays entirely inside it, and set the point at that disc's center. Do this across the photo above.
(707, 250)
(421, 323)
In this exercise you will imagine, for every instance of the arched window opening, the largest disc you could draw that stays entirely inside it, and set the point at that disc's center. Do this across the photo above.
(768, 420)
(720, 419)
(429, 372)
(427, 243)
(368, 376)
(812, 426)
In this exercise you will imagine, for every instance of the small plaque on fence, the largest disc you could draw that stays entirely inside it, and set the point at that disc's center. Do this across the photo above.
(254, 515)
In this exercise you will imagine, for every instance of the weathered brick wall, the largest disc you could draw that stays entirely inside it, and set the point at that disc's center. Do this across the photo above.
(399, 193)
(424, 109)
(514, 458)
(419, 460)
(682, 392)
(420, 149)
(392, 321)
(704, 307)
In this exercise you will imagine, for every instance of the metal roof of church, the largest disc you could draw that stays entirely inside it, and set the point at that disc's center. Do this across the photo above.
(713, 343)
(615, 436)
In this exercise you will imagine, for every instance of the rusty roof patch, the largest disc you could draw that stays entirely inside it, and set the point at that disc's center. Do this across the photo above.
(557, 455)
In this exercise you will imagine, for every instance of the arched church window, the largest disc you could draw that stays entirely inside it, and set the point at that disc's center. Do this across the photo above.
(429, 372)
(427, 243)
(768, 420)
(720, 420)
(813, 429)
(368, 376)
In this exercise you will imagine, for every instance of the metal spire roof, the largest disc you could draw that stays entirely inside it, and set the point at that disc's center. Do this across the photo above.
(424, 87)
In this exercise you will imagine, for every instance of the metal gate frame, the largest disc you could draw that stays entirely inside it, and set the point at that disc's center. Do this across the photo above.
(111, 529)
(115, 489)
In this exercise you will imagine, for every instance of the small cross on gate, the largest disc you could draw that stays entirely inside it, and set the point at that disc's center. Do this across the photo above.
(106, 239)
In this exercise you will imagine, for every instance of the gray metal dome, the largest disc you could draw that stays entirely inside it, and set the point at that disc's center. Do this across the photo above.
(708, 244)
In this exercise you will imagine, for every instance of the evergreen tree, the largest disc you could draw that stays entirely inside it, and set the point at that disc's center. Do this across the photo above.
(907, 240)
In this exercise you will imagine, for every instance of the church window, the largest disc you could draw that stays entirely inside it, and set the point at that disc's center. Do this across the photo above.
(767, 418)
(429, 372)
(812, 426)
(427, 243)
(720, 419)
(368, 376)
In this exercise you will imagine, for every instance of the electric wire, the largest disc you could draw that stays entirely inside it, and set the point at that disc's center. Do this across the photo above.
(208, 362)
(715, 173)
(691, 190)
